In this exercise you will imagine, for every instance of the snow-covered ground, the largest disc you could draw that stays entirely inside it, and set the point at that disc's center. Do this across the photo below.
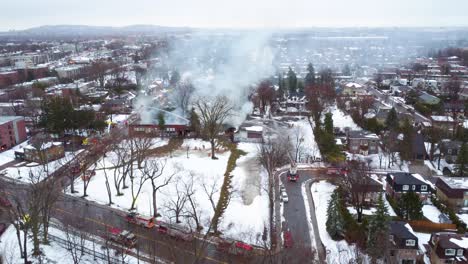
(23, 170)
(55, 252)
(302, 130)
(423, 238)
(463, 217)
(337, 251)
(247, 213)
(9, 155)
(193, 169)
(380, 161)
(342, 120)
(431, 212)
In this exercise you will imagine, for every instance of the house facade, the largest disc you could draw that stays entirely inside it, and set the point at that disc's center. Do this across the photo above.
(403, 182)
(12, 131)
(44, 153)
(453, 191)
(448, 248)
(450, 149)
(363, 143)
(403, 244)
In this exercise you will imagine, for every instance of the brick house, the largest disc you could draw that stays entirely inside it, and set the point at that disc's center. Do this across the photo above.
(12, 131)
(448, 248)
(402, 182)
(445, 123)
(453, 191)
(364, 143)
(44, 153)
(403, 246)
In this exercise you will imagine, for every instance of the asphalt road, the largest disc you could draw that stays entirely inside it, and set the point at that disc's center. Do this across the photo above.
(296, 218)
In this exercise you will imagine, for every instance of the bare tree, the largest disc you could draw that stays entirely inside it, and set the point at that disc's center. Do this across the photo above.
(176, 203)
(194, 211)
(358, 185)
(75, 242)
(297, 142)
(212, 114)
(273, 153)
(153, 170)
(183, 95)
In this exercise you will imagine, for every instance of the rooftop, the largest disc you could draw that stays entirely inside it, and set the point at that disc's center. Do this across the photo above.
(6, 119)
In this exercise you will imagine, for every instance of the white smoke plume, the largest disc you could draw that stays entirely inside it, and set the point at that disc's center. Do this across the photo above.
(220, 64)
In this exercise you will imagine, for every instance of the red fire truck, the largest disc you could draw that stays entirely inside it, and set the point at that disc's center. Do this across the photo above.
(123, 237)
(336, 171)
(292, 173)
(234, 247)
(144, 221)
(288, 241)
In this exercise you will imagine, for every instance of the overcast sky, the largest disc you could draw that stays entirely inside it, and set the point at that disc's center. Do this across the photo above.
(20, 14)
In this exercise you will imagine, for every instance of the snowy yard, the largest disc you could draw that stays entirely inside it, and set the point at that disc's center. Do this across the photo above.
(191, 170)
(342, 120)
(54, 253)
(431, 212)
(337, 251)
(423, 238)
(23, 170)
(380, 161)
(301, 130)
(9, 155)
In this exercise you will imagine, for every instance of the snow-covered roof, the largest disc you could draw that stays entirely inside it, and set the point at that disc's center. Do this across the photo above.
(463, 242)
(442, 118)
(44, 146)
(254, 129)
(6, 119)
(456, 182)
(419, 177)
(355, 85)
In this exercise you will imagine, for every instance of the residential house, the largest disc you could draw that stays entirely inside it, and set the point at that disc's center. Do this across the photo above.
(44, 152)
(453, 191)
(455, 109)
(12, 131)
(448, 248)
(361, 142)
(403, 245)
(353, 89)
(449, 149)
(402, 182)
(444, 123)
(249, 134)
(174, 126)
(371, 189)
(428, 99)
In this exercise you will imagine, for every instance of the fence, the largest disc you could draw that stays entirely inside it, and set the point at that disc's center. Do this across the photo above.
(430, 227)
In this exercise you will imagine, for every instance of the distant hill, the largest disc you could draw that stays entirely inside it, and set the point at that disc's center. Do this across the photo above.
(82, 30)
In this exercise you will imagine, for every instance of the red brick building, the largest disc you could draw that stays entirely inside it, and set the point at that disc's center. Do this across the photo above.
(9, 78)
(12, 131)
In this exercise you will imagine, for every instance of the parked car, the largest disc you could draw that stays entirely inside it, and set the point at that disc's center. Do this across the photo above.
(288, 241)
(284, 197)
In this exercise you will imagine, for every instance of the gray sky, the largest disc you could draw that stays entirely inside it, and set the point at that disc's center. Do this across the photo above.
(20, 14)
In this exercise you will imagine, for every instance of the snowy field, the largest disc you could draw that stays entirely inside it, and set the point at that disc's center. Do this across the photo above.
(337, 251)
(380, 161)
(9, 155)
(191, 170)
(23, 170)
(423, 238)
(247, 213)
(342, 120)
(308, 147)
(54, 253)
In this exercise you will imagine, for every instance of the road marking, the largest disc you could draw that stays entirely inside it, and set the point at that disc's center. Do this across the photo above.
(141, 236)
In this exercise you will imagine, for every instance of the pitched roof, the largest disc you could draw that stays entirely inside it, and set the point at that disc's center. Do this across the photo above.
(399, 229)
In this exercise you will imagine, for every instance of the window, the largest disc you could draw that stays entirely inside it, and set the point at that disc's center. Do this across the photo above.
(449, 252)
(407, 261)
(423, 188)
(410, 242)
(460, 252)
(413, 187)
(405, 187)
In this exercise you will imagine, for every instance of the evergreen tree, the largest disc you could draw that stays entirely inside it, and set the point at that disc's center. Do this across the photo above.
(409, 206)
(161, 123)
(56, 113)
(281, 86)
(346, 70)
(329, 123)
(175, 78)
(378, 230)
(406, 145)
(310, 77)
(462, 161)
(392, 119)
(292, 81)
(194, 122)
(335, 222)
(300, 86)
